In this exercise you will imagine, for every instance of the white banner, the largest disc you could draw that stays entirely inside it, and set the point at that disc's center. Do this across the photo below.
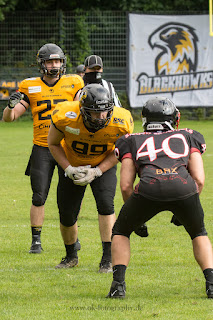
(170, 56)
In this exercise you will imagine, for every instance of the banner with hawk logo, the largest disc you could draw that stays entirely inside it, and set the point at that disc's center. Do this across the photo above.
(170, 56)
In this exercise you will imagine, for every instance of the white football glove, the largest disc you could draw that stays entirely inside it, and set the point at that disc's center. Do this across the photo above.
(15, 98)
(76, 172)
(90, 175)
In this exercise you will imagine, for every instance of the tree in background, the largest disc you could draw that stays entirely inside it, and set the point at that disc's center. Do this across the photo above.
(120, 5)
(7, 6)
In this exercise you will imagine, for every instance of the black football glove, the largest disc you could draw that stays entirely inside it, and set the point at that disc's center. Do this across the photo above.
(15, 98)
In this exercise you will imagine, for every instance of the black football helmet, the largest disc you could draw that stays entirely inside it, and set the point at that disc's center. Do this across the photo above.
(47, 52)
(160, 114)
(94, 97)
(80, 68)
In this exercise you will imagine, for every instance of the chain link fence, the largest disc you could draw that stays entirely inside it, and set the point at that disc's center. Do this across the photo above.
(80, 34)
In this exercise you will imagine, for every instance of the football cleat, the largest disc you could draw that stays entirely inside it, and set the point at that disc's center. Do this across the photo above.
(67, 262)
(36, 246)
(142, 231)
(117, 290)
(105, 266)
(209, 289)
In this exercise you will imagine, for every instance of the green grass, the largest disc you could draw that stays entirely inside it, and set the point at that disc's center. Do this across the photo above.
(163, 280)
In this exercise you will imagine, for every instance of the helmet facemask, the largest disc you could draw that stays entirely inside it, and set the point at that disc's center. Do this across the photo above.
(54, 72)
(51, 51)
(96, 123)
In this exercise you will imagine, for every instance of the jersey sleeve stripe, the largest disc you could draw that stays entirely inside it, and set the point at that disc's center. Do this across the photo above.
(194, 150)
(127, 155)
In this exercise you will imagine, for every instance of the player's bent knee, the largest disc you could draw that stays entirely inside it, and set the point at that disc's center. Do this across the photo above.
(119, 234)
(38, 200)
(198, 234)
(67, 221)
(116, 231)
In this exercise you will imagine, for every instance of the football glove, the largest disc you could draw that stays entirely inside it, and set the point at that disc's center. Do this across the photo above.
(90, 175)
(15, 98)
(75, 172)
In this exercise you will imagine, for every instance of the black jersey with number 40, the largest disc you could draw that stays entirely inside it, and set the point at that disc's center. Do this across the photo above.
(161, 159)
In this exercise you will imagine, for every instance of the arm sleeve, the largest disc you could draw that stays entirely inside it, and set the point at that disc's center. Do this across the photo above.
(197, 142)
(23, 88)
(122, 148)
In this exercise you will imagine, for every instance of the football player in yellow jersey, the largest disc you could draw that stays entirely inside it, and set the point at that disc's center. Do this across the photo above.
(84, 133)
(42, 94)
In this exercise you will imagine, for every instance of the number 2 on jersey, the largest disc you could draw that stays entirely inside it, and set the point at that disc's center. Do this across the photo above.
(41, 115)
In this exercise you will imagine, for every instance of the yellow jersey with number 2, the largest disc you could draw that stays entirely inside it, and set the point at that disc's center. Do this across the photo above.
(43, 98)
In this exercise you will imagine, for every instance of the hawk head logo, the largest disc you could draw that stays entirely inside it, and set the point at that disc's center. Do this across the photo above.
(178, 43)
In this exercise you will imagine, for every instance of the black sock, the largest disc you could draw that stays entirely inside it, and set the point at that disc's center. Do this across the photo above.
(119, 272)
(106, 250)
(208, 274)
(71, 251)
(36, 232)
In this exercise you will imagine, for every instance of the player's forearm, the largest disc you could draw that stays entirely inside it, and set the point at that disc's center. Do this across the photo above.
(109, 162)
(196, 169)
(127, 177)
(8, 115)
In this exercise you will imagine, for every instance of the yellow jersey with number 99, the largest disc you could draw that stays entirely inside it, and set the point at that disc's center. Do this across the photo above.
(43, 98)
(83, 147)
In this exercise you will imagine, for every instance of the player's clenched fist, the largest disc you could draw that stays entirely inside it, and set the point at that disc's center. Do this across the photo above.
(15, 98)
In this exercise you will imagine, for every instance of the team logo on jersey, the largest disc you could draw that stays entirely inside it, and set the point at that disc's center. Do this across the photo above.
(34, 89)
(67, 86)
(111, 135)
(71, 115)
(166, 171)
(72, 130)
(175, 63)
(118, 120)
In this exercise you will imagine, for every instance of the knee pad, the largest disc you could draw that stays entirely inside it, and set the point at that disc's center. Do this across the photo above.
(105, 208)
(117, 232)
(38, 200)
(202, 233)
(67, 220)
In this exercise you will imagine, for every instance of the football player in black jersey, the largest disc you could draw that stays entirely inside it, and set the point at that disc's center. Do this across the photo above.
(169, 164)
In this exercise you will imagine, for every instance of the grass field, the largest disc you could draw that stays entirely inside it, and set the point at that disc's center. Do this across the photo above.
(163, 280)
